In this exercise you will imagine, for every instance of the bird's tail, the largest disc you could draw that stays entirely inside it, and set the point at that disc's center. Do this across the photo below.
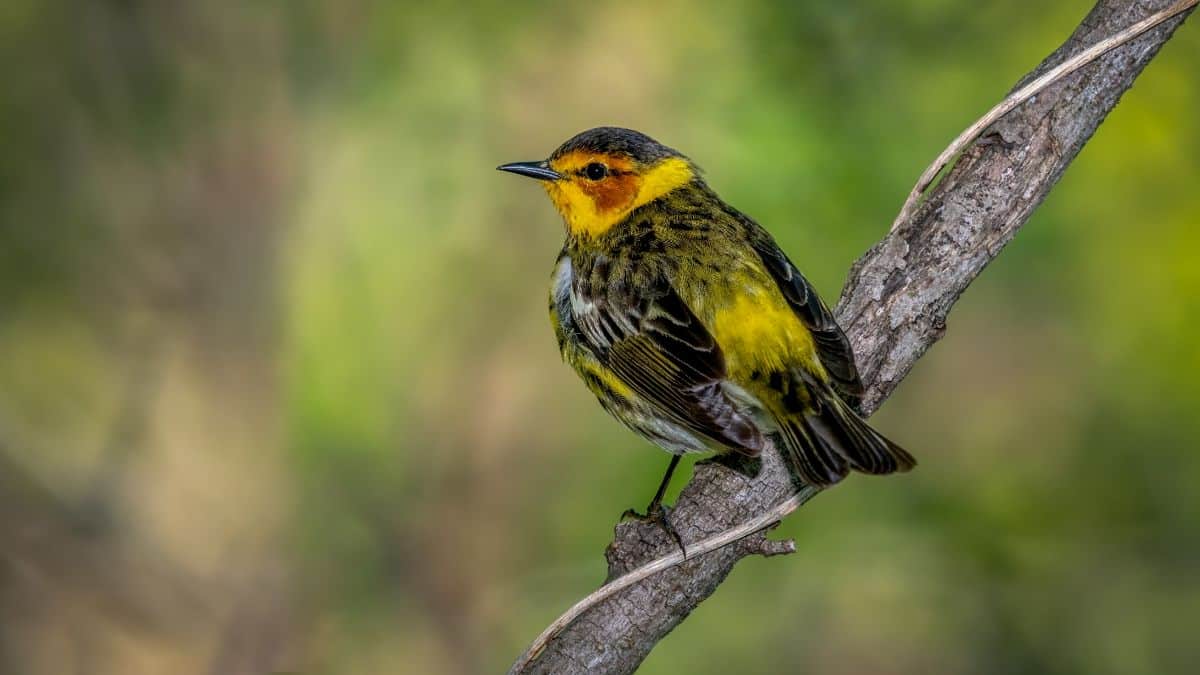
(822, 444)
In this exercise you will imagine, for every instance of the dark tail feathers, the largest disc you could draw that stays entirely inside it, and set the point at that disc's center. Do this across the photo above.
(823, 445)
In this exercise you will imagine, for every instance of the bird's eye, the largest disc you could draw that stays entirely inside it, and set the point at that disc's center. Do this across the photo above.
(595, 171)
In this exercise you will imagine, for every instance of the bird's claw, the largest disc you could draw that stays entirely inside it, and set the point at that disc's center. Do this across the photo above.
(657, 514)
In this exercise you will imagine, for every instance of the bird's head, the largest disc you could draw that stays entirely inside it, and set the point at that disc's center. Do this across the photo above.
(596, 178)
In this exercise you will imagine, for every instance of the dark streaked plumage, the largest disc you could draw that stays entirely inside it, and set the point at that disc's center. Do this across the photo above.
(689, 323)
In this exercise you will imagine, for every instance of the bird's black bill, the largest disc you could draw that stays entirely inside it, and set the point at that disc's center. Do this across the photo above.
(539, 170)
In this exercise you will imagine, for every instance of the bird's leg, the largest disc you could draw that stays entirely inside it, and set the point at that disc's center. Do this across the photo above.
(656, 512)
(656, 503)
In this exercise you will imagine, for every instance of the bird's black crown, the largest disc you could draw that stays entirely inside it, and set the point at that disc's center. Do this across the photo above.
(614, 140)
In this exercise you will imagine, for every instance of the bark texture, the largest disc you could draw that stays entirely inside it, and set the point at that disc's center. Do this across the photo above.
(893, 308)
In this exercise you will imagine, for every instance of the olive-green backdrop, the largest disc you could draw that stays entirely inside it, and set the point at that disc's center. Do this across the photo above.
(278, 390)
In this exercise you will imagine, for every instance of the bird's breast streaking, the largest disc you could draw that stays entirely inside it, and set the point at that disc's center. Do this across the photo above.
(687, 320)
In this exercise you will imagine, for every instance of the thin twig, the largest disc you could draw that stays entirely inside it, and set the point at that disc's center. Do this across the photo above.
(653, 567)
(1027, 92)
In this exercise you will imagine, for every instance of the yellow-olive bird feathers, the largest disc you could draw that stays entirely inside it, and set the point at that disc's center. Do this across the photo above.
(689, 323)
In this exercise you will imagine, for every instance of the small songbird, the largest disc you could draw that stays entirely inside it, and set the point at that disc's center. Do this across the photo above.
(687, 321)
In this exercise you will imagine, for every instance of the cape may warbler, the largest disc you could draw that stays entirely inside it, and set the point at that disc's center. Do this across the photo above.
(689, 323)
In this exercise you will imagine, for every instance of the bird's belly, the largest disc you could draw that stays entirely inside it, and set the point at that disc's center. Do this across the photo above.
(636, 413)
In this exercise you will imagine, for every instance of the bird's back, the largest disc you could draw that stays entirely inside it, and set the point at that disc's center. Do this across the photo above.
(710, 252)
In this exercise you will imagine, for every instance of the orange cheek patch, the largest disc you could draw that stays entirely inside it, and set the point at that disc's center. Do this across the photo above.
(613, 193)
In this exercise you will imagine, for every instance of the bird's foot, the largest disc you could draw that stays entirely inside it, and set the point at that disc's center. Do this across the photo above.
(658, 514)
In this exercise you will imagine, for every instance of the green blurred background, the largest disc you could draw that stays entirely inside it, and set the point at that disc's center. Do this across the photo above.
(278, 390)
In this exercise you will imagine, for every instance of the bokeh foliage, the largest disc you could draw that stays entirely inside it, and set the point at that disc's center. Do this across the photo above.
(277, 389)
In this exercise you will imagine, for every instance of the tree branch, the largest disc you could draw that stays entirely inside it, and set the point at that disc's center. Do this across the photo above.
(893, 308)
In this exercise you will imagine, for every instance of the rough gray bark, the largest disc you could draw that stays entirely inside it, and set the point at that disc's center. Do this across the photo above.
(893, 308)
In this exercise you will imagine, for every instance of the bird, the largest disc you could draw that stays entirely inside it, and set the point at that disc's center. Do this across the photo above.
(689, 323)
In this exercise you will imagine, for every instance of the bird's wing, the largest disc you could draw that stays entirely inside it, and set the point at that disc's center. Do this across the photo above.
(658, 347)
(833, 348)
